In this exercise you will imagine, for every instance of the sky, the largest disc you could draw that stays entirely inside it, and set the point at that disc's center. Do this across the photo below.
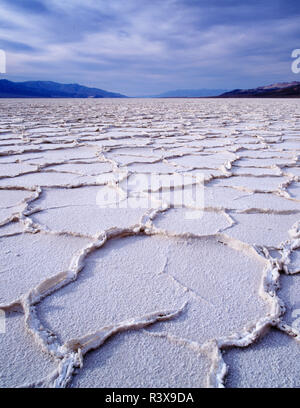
(145, 47)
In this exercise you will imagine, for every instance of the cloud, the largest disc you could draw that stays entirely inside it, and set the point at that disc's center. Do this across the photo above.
(15, 46)
(28, 6)
(140, 47)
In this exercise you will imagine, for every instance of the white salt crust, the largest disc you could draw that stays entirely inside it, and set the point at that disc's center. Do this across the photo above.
(159, 296)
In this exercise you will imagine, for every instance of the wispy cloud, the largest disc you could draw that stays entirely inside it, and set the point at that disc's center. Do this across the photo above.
(140, 47)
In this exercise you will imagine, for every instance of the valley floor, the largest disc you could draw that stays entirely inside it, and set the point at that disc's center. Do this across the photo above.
(150, 243)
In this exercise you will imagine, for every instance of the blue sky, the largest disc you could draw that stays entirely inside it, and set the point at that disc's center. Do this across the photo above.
(141, 47)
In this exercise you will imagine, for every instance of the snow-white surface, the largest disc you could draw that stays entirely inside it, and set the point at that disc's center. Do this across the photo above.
(143, 292)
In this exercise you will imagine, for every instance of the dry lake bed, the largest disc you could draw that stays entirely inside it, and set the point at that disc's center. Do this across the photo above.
(150, 243)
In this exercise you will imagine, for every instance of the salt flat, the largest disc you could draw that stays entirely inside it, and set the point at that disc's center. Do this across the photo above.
(149, 243)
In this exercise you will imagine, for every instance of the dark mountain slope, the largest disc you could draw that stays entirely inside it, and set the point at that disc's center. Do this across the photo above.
(49, 89)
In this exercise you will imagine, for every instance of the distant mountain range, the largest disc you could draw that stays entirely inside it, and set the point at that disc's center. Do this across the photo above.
(189, 93)
(49, 89)
(278, 90)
